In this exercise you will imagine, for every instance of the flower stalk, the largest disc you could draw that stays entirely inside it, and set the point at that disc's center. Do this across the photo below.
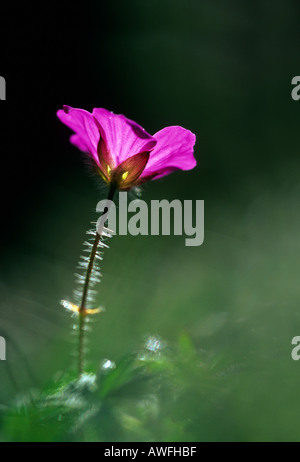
(82, 313)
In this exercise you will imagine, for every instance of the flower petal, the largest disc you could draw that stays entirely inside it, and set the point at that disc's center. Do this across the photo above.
(123, 137)
(79, 142)
(84, 125)
(174, 150)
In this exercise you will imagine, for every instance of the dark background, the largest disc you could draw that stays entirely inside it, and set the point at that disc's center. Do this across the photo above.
(222, 69)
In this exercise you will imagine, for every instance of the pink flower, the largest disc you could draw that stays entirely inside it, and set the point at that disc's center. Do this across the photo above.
(124, 153)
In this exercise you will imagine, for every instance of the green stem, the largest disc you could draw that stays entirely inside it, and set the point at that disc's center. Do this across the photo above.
(82, 308)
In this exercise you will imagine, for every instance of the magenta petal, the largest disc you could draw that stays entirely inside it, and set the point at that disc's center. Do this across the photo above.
(123, 137)
(79, 142)
(85, 127)
(174, 150)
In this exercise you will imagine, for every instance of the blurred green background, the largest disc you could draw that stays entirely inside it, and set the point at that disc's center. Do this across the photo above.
(223, 70)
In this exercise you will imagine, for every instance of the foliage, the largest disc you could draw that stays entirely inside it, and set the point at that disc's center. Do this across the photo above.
(146, 396)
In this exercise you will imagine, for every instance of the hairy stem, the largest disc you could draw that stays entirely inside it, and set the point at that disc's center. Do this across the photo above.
(85, 292)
